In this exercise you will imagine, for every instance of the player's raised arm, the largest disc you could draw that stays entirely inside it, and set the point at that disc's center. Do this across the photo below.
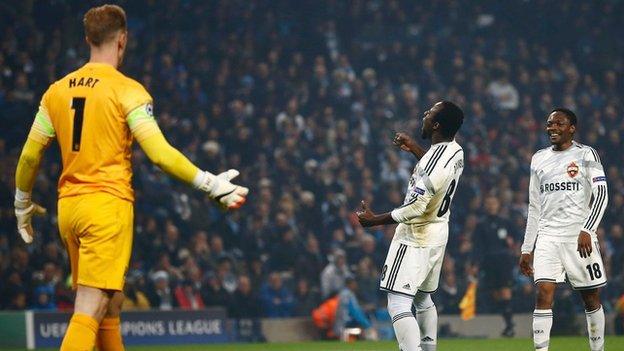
(145, 129)
(406, 143)
(41, 133)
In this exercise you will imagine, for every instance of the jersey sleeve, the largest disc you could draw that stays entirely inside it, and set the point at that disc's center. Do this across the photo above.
(423, 190)
(530, 234)
(600, 197)
(133, 95)
(142, 123)
(42, 130)
(136, 104)
(137, 107)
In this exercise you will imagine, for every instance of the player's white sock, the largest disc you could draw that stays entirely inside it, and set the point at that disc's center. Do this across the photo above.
(404, 323)
(427, 318)
(596, 328)
(542, 322)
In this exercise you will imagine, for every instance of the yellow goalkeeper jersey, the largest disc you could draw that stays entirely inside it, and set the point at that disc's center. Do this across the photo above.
(90, 111)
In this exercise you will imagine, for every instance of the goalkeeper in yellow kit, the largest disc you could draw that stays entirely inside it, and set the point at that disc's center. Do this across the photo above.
(94, 113)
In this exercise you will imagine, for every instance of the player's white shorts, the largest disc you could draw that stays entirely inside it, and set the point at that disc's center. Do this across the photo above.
(557, 262)
(409, 269)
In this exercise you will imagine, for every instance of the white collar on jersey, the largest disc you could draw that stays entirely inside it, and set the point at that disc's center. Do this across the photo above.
(574, 143)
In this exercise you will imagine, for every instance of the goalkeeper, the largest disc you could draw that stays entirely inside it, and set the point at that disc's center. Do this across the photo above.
(94, 113)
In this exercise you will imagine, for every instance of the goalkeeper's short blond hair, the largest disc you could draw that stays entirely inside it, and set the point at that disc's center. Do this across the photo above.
(103, 23)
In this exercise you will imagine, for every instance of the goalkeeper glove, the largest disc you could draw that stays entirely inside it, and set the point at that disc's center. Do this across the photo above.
(25, 209)
(219, 188)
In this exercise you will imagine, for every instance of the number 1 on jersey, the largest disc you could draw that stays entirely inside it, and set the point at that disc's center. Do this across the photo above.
(78, 104)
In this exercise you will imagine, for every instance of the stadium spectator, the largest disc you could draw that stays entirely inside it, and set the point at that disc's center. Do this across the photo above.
(306, 298)
(18, 300)
(285, 249)
(213, 292)
(244, 302)
(349, 313)
(334, 274)
(257, 273)
(45, 291)
(52, 253)
(187, 297)
(17, 278)
(310, 262)
(277, 300)
(504, 94)
(367, 278)
(161, 295)
(449, 295)
(44, 298)
(134, 298)
(364, 247)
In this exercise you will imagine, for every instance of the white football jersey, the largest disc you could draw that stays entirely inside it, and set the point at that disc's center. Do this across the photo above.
(567, 194)
(423, 217)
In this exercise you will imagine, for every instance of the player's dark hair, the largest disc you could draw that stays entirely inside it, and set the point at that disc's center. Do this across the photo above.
(568, 113)
(450, 118)
(103, 22)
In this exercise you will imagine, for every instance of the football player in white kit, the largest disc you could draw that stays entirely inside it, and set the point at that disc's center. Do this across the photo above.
(567, 198)
(412, 268)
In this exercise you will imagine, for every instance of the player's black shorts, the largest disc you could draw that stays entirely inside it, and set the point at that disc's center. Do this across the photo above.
(497, 271)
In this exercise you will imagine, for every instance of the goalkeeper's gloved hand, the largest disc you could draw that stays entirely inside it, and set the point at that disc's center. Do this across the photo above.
(219, 188)
(25, 209)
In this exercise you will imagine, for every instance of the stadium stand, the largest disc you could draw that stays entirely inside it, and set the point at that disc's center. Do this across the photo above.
(303, 98)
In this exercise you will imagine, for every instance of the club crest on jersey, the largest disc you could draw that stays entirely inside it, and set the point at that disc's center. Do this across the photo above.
(149, 109)
(572, 170)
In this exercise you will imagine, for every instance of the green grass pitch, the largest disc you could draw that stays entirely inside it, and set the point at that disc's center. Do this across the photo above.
(556, 344)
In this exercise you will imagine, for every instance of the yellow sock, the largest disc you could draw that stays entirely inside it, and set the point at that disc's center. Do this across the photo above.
(109, 335)
(80, 334)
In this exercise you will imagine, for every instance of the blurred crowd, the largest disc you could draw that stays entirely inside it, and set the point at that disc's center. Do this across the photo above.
(303, 98)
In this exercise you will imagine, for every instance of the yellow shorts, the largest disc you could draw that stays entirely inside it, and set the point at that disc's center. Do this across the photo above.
(96, 229)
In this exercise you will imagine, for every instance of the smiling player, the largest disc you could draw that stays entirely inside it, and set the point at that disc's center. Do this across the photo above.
(567, 198)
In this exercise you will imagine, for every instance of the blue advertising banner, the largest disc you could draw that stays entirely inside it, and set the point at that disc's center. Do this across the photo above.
(144, 328)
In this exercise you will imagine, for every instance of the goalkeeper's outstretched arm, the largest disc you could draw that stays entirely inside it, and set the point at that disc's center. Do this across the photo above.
(145, 129)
